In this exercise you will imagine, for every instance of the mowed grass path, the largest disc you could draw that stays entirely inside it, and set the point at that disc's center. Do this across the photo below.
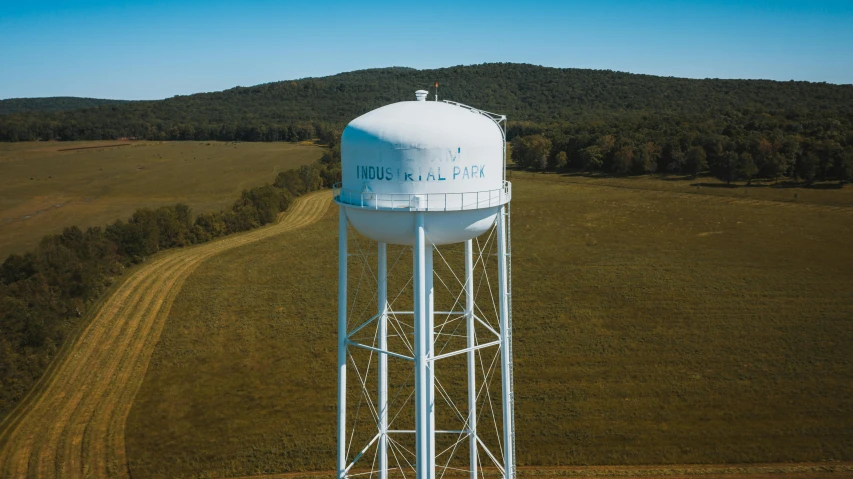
(46, 186)
(72, 425)
(652, 326)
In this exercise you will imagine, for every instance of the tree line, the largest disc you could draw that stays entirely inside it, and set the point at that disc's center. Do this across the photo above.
(44, 293)
(40, 128)
(736, 146)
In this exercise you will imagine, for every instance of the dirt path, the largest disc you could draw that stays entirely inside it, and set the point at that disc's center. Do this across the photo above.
(73, 425)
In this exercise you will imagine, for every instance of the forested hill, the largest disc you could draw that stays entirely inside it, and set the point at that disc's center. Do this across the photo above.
(531, 93)
(51, 104)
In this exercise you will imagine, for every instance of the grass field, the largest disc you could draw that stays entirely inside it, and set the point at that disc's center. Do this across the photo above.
(655, 323)
(46, 186)
(72, 425)
(821, 194)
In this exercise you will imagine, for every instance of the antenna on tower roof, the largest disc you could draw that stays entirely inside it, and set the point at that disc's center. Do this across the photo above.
(436, 91)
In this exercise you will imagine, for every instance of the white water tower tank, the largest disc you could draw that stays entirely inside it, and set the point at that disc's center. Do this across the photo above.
(437, 157)
(424, 174)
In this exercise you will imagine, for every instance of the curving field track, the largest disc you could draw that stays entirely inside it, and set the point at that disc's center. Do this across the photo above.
(73, 424)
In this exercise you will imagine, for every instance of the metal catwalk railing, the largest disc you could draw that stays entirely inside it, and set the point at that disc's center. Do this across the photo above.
(471, 200)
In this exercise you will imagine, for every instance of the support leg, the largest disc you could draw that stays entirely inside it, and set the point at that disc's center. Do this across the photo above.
(382, 407)
(506, 349)
(342, 342)
(472, 377)
(430, 327)
(421, 351)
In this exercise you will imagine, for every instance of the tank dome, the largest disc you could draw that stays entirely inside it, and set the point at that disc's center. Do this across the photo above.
(422, 147)
(440, 158)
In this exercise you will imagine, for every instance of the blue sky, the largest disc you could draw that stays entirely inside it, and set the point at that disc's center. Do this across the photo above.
(158, 49)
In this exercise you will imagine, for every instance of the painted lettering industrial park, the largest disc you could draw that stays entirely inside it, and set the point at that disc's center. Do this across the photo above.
(420, 174)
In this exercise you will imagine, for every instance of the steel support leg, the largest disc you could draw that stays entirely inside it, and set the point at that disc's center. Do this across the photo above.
(382, 406)
(472, 364)
(430, 327)
(506, 349)
(342, 342)
(421, 351)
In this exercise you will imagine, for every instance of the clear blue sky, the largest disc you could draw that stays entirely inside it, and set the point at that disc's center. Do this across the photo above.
(157, 49)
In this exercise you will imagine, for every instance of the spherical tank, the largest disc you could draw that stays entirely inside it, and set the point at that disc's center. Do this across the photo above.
(438, 158)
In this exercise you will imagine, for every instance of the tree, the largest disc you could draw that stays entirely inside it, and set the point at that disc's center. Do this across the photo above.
(538, 148)
(790, 150)
(623, 160)
(139, 237)
(647, 160)
(561, 160)
(806, 166)
(208, 226)
(262, 204)
(843, 166)
(591, 158)
(17, 267)
(677, 160)
(768, 158)
(745, 167)
(531, 151)
(775, 166)
(828, 151)
(174, 224)
(606, 143)
(331, 174)
(726, 169)
(290, 180)
(310, 177)
(695, 161)
(517, 152)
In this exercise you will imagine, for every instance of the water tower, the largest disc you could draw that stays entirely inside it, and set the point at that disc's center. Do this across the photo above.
(425, 177)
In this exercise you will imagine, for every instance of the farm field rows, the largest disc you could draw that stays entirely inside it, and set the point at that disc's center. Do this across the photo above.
(46, 186)
(73, 423)
(654, 324)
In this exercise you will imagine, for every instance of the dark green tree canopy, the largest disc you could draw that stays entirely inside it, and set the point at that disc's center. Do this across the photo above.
(294, 110)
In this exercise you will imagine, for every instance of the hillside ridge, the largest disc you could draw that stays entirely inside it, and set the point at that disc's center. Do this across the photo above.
(52, 104)
(523, 92)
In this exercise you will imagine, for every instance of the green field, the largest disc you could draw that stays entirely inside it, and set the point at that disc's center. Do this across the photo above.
(656, 322)
(46, 186)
